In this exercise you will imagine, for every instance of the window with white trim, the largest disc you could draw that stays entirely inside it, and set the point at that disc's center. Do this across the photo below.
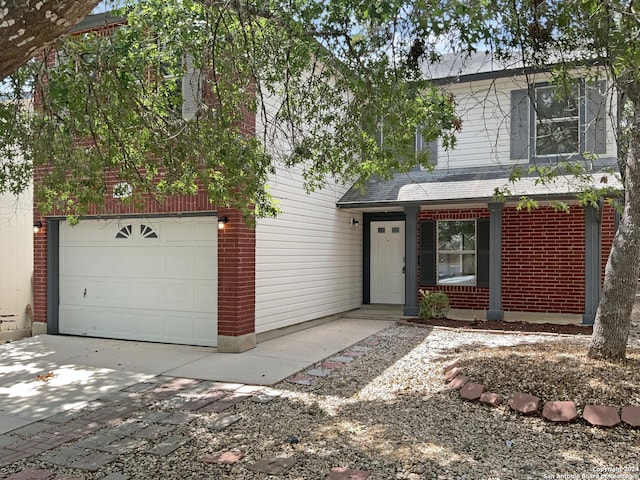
(456, 252)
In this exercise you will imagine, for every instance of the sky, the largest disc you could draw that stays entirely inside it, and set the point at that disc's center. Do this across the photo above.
(106, 5)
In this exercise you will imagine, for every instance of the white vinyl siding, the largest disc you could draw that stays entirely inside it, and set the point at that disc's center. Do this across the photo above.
(484, 107)
(309, 258)
(484, 139)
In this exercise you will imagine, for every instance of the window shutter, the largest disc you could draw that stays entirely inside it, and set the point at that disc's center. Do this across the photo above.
(482, 252)
(596, 128)
(519, 125)
(427, 253)
(191, 89)
(433, 152)
(433, 148)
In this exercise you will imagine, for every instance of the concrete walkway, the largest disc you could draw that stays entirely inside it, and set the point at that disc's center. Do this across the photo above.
(46, 375)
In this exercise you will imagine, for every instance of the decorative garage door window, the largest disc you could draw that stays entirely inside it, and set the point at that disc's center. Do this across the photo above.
(125, 232)
(145, 232)
(457, 252)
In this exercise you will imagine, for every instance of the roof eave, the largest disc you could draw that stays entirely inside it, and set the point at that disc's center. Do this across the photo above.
(457, 201)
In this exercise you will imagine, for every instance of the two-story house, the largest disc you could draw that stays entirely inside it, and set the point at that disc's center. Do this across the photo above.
(444, 229)
(187, 272)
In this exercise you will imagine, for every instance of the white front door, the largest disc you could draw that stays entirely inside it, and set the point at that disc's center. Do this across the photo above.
(387, 262)
(153, 279)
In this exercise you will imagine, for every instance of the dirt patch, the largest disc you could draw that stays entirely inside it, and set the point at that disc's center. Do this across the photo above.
(505, 326)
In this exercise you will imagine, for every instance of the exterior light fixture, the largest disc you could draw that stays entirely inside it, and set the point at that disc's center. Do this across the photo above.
(37, 226)
(355, 223)
(222, 222)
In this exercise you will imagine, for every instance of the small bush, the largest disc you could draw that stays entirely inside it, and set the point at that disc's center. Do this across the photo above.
(433, 304)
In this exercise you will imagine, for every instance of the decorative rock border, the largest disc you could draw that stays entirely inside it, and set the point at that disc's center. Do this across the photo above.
(526, 404)
(340, 360)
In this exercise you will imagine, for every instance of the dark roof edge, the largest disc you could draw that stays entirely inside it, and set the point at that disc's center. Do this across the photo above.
(505, 73)
(96, 20)
(457, 201)
(492, 75)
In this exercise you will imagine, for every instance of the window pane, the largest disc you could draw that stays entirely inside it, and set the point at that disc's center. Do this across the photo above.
(457, 235)
(557, 137)
(457, 269)
(552, 102)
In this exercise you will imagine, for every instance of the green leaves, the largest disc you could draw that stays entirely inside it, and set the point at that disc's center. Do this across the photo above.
(188, 95)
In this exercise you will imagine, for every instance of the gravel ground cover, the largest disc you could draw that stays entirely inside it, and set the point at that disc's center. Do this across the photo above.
(386, 412)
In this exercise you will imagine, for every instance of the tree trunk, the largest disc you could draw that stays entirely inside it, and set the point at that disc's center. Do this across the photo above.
(613, 317)
(28, 25)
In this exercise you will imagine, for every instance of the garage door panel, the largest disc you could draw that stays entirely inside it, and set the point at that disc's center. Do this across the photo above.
(202, 328)
(122, 322)
(203, 299)
(84, 320)
(202, 233)
(87, 292)
(207, 265)
(159, 287)
(151, 295)
(176, 327)
(123, 293)
(172, 232)
(149, 325)
(82, 260)
(177, 267)
(179, 295)
(150, 263)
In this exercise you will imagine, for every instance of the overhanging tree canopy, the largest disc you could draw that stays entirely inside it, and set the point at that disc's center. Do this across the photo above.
(333, 71)
(319, 79)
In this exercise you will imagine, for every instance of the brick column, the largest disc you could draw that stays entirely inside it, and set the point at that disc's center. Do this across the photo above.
(40, 277)
(236, 284)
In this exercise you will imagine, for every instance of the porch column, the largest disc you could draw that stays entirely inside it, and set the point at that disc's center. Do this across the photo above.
(495, 261)
(592, 256)
(411, 261)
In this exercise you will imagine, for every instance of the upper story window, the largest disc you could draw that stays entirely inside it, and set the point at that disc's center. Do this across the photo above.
(419, 143)
(181, 82)
(549, 122)
(557, 123)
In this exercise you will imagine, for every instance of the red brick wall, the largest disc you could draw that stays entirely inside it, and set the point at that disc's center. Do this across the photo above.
(543, 265)
(40, 271)
(236, 277)
(543, 261)
(236, 261)
(460, 296)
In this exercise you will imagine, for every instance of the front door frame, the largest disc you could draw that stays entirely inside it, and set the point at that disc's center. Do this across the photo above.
(367, 218)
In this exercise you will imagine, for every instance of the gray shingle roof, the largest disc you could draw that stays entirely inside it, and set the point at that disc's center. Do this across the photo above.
(455, 66)
(463, 185)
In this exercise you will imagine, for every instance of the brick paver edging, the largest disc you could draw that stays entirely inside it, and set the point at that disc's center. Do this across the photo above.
(326, 366)
(524, 403)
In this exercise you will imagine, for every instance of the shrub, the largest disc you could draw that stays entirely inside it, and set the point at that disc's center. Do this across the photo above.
(433, 304)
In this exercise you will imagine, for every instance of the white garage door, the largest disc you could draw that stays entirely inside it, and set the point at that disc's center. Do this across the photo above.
(140, 279)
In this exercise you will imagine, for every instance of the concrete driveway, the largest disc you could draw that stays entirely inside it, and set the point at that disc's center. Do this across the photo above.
(45, 375)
